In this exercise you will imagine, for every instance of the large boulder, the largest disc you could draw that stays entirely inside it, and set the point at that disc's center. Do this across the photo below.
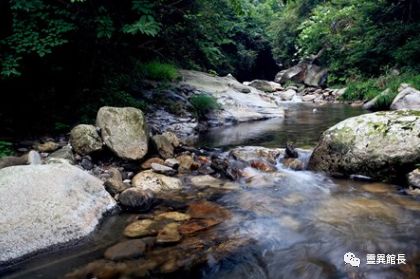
(46, 205)
(407, 98)
(304, 72)
(382, 145)
(85, 139)
(235, 106)
(124, 131)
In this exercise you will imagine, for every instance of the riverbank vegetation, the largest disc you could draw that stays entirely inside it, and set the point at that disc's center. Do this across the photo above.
(62, 60)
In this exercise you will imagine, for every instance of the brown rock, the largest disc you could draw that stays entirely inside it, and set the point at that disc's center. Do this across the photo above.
(294, 164)
(185, 163)
(169, 234)
(141, 228)
(197, 225)
(48, 147)
(128, 249)
(206, 209)
(173, 215)
(262, 166)
(115, 184)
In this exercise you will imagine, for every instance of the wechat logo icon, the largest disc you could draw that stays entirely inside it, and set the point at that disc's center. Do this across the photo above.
(351, 259)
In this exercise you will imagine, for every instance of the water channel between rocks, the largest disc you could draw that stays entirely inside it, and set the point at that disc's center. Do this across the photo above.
(295, 224)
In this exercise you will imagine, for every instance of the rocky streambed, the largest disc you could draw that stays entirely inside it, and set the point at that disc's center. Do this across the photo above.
(229, 212)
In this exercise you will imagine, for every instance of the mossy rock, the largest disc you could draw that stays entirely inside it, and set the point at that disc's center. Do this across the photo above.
(382, 145)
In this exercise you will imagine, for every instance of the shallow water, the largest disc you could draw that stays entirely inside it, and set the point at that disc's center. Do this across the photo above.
(301, 223)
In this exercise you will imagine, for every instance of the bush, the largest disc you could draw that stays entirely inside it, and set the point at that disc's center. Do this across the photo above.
(5, 148)
(159, 71)
(361, 90)
(204, 104)
(368, 89)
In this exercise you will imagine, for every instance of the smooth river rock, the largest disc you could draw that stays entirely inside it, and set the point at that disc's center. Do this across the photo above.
(45, 205)
(382, 145)
(124, 131)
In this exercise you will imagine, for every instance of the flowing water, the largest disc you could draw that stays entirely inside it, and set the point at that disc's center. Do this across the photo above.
(301, 223)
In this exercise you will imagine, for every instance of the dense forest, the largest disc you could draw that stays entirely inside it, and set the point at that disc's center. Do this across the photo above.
(63, 59)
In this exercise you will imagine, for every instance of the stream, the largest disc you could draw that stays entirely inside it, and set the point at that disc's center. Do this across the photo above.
(297, 224)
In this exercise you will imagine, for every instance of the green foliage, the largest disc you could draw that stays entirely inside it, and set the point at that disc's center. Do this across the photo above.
(158, 71)
(359, 38)
(5, 148)
(204, 104)
(370, 88)
(146, 25)
(362, 90)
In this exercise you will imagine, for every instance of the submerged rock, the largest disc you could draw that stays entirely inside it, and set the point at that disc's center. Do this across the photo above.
(124, 131)
(206, 209)
(47, 205)
(193, 226)
(141, 228)
(128, 249)
(382, 145)
(173, 215)
(169, 234)
(203, 181)
(85, 139)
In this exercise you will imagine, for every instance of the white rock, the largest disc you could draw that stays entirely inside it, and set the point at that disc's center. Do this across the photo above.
(45, 205)
(408, 98)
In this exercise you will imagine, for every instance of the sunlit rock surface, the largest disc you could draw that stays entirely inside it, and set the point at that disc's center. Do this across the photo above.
(45, 205)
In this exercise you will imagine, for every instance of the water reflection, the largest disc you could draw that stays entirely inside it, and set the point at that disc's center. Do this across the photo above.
(301, 125)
